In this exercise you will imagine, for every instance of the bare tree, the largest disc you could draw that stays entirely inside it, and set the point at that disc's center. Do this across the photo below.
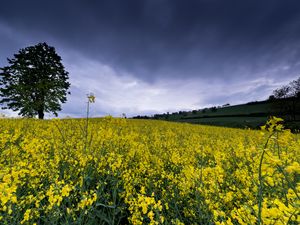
(287, 98)
(295, 88)
(282, 92)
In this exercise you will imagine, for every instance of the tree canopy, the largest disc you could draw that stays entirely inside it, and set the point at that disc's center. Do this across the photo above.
(35, 82)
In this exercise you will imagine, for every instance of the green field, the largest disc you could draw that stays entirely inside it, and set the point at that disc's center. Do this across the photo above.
(249, 115)
(251, 122)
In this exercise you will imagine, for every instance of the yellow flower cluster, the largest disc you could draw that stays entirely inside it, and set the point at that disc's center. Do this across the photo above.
(122, 171)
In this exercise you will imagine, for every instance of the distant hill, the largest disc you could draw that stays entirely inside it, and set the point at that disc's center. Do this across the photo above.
(249, 115)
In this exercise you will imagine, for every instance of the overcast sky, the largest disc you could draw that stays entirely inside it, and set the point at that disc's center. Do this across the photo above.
(152, 56)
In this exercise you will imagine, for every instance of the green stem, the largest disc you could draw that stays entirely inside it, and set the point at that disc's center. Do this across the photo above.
(260, 192)
(260, 179)
(87, 123)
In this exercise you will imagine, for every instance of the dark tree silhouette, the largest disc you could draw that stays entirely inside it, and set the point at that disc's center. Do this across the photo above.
(295, 88)
(286, 99)
(35, 82)
(295, 97)
(282, 92)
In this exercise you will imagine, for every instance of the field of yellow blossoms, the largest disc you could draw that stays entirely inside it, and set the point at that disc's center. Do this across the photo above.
(118, 171)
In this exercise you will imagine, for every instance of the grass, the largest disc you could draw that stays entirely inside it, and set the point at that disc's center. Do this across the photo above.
(238, 122)
(249, 115)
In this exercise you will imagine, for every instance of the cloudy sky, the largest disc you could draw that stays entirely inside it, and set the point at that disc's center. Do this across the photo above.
(152, 56)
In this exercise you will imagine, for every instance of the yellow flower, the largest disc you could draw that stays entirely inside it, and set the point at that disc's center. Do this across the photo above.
(26, 216)
(66, 191)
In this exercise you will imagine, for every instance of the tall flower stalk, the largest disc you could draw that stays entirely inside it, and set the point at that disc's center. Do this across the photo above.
(91, 99)
(273, 125)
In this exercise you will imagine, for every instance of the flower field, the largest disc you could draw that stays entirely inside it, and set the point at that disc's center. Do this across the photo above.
(117, 171)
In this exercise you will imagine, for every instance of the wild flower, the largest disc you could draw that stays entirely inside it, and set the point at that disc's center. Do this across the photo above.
(147, 172)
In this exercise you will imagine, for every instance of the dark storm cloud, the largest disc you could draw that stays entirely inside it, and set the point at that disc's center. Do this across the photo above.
(160, 39)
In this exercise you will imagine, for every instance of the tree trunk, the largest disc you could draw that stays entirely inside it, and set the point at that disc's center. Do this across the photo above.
(41, 114)
(41, 104)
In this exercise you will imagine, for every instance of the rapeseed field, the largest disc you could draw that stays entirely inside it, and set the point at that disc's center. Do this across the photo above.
(118, 171)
